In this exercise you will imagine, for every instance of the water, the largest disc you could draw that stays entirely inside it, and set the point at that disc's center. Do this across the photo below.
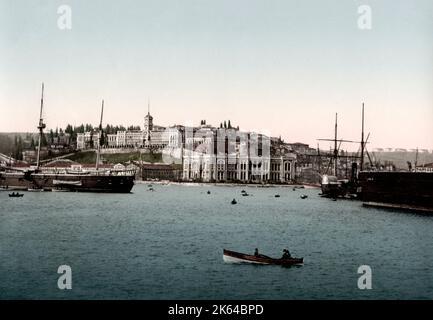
(168, 244)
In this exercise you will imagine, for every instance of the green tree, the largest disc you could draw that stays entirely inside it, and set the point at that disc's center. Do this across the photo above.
(51, 136)
(91, 144)
(32, 144)
(44, 141)
(18, 148)
(102, 139)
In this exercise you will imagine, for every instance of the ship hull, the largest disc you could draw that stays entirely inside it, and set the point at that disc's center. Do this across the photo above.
(413, 189)
(67, 182)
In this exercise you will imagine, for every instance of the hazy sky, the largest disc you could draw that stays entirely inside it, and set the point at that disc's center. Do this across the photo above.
(281, 66)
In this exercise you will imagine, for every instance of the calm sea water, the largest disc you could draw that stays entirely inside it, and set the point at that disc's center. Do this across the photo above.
(168, 244)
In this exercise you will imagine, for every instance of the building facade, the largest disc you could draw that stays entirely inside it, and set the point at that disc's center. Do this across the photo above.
(237, 161)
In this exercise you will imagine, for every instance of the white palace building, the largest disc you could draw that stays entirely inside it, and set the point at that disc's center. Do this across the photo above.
(229, 155)
(207, 153)
(150, 137)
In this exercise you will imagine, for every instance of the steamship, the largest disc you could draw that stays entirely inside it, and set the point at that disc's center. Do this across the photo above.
(408, 190)
(45, 179)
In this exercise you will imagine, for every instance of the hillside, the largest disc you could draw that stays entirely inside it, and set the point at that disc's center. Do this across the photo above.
(90, 157)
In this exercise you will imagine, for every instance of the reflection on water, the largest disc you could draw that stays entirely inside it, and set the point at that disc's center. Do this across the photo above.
(168, 244)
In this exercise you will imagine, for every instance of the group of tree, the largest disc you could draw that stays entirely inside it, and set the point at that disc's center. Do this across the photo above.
(227, 125)
(73, 131)
(18, 147)
(6, 144)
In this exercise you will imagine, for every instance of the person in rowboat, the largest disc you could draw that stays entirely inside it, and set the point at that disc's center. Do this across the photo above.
(286, 254)
(259, 255)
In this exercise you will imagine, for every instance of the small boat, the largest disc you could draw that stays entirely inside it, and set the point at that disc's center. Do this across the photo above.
(237, 257)
(234, 201)
(304, 196)
(16, 195)
(245, 194)
(208, 192)
(151, 189)
(277, 196)
(243, 191)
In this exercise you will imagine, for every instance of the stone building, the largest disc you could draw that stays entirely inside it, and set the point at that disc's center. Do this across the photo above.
(244, 159)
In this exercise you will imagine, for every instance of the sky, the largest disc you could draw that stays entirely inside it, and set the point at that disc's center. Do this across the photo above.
(283, 67)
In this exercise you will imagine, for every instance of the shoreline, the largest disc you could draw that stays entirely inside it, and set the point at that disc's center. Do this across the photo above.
(228, 184)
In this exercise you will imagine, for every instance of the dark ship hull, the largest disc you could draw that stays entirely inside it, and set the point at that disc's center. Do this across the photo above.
(82, 182)
(333, 188)
(401, 189)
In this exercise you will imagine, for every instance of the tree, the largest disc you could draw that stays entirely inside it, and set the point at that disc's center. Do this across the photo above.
(91, 140)
(80, 129)
(69, 129)
(51, 136)
(18, 148)
(6, 144)
(221, 125)
(32, 144)
(225, 124)
(229, 125)
(44, 141)
(102, 140)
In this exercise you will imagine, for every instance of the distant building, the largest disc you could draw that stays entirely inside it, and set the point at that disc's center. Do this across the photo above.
(151, 137)
(428, 167)
(160, 171)
(87, 140)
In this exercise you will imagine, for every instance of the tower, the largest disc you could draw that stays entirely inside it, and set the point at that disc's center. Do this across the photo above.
(148, 124)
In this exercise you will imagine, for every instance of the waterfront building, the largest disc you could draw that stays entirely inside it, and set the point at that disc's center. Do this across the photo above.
(160, 171)
(242, 159)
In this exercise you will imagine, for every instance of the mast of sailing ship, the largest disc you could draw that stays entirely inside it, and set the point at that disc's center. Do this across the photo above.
(41, 127)
(335, 147)
(362, 140)
(99, 138)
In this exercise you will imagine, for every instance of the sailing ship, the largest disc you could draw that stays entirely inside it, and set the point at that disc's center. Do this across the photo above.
(409, 190)
(333, 185)
(40, 178)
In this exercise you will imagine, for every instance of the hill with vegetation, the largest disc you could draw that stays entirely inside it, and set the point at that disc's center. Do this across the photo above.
(87, 157)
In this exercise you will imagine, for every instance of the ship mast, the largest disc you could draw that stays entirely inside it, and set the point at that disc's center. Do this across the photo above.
(99, 137)
(362, 139)
(335, 147)
(41, 127)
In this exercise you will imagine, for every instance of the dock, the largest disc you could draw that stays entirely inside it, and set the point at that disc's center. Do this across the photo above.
(401, 207)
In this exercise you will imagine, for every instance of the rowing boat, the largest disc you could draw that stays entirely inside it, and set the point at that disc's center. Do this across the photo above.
(237, 257)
